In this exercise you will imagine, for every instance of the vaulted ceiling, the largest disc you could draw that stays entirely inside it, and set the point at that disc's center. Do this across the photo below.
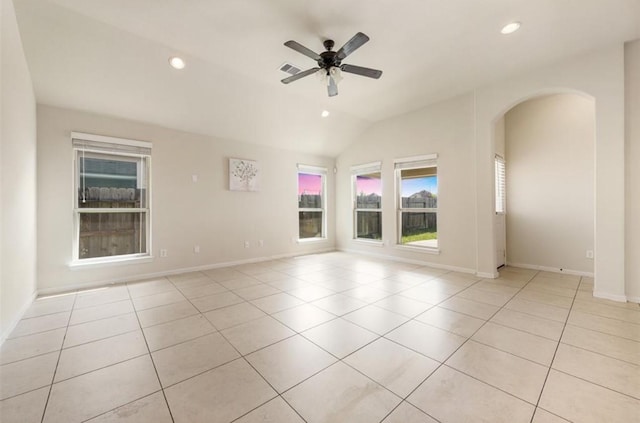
(111, 57)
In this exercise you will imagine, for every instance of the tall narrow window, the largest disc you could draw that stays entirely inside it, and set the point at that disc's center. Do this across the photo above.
(112, 207)
(311, 202)
(417, 202)
(500, 175)
(367, 201)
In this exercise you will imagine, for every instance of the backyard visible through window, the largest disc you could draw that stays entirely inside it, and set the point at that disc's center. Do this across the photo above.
(368, 206)
(112, 200)
(418, 206)
(310, 205)
(110, 183)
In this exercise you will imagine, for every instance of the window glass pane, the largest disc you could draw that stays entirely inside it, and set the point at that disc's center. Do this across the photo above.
(112, 234)
(369, 225)
(419, 229)
(310, 224)
(110, 183)
(369, 191)
(309, 191)
(419, 188)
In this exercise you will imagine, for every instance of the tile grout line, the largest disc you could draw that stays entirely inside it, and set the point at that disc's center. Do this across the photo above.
(544, 384)
(155, 369)
(53, 377)
(467, 340)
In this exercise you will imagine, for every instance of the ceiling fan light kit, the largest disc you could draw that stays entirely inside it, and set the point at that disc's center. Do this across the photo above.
(329, 62)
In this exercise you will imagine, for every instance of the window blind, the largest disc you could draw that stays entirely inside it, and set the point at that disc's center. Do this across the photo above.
(500, 177)
(103, 144)
(429, 160)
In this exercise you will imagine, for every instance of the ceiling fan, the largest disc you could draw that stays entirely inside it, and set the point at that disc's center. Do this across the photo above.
(330, 62)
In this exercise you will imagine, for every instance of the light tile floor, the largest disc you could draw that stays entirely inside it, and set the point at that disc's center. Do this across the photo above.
(329, 338)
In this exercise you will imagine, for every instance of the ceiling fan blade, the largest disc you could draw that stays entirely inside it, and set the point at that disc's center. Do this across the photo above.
(302, 49)
(332, 88)
(300, 75)
(359, 70)
(352, 45)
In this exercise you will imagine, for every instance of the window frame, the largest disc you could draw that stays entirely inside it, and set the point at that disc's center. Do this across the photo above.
(359, 170)
(415, 162)
(98, 146)
(322, 172)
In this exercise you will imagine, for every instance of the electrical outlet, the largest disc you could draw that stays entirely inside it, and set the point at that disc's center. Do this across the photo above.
(246, 244)
(589, 254)
(261, 243)
(196, 249)
(163, 252)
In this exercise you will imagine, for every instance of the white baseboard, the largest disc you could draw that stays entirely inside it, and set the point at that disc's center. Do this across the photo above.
(551, 269)
(487, 275)
(633, 300)
(14, 322)
(410, 261)
(145, 276)
(612, 297)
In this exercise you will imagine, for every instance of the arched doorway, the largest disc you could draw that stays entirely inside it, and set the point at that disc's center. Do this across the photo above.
(547, 144)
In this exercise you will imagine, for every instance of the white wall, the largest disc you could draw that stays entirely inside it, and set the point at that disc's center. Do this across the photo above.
(17, 177)
(632, 154)
(184, 213)
(550, 182)
(446, 129)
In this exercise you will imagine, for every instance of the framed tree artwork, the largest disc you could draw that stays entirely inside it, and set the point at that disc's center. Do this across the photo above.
(244, 175)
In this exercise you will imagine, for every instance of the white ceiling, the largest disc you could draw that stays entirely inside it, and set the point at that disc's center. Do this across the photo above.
(110, 57)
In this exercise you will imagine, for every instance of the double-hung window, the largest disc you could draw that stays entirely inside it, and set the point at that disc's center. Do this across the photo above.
(417, 201)
(111, 198)
(311, 202)
(367, 201)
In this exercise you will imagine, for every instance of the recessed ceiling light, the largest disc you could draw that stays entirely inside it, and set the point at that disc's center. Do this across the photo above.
(176, 62)
(325, 113)
(510, 28)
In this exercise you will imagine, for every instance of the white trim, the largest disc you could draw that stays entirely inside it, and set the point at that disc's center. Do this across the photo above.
(370, 242)
(110, 261)
(14, 322)
(612, 297)
(633, 300)
(147, 276)
(112, 140)
(551, 269)
(426, 250)
(410, 261)
(487, 275)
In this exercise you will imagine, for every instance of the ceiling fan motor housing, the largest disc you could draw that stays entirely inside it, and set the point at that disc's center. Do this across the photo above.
(329, 58)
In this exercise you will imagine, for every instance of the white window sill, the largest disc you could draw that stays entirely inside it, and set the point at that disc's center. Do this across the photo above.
(425, 250)
(371, 242)
(311, 240)
(110, 261)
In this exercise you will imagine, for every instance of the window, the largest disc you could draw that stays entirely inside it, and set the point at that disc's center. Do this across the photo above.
(111, 204)
(417, 202)
(501, 191)
(367, 201)
(311, 202)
